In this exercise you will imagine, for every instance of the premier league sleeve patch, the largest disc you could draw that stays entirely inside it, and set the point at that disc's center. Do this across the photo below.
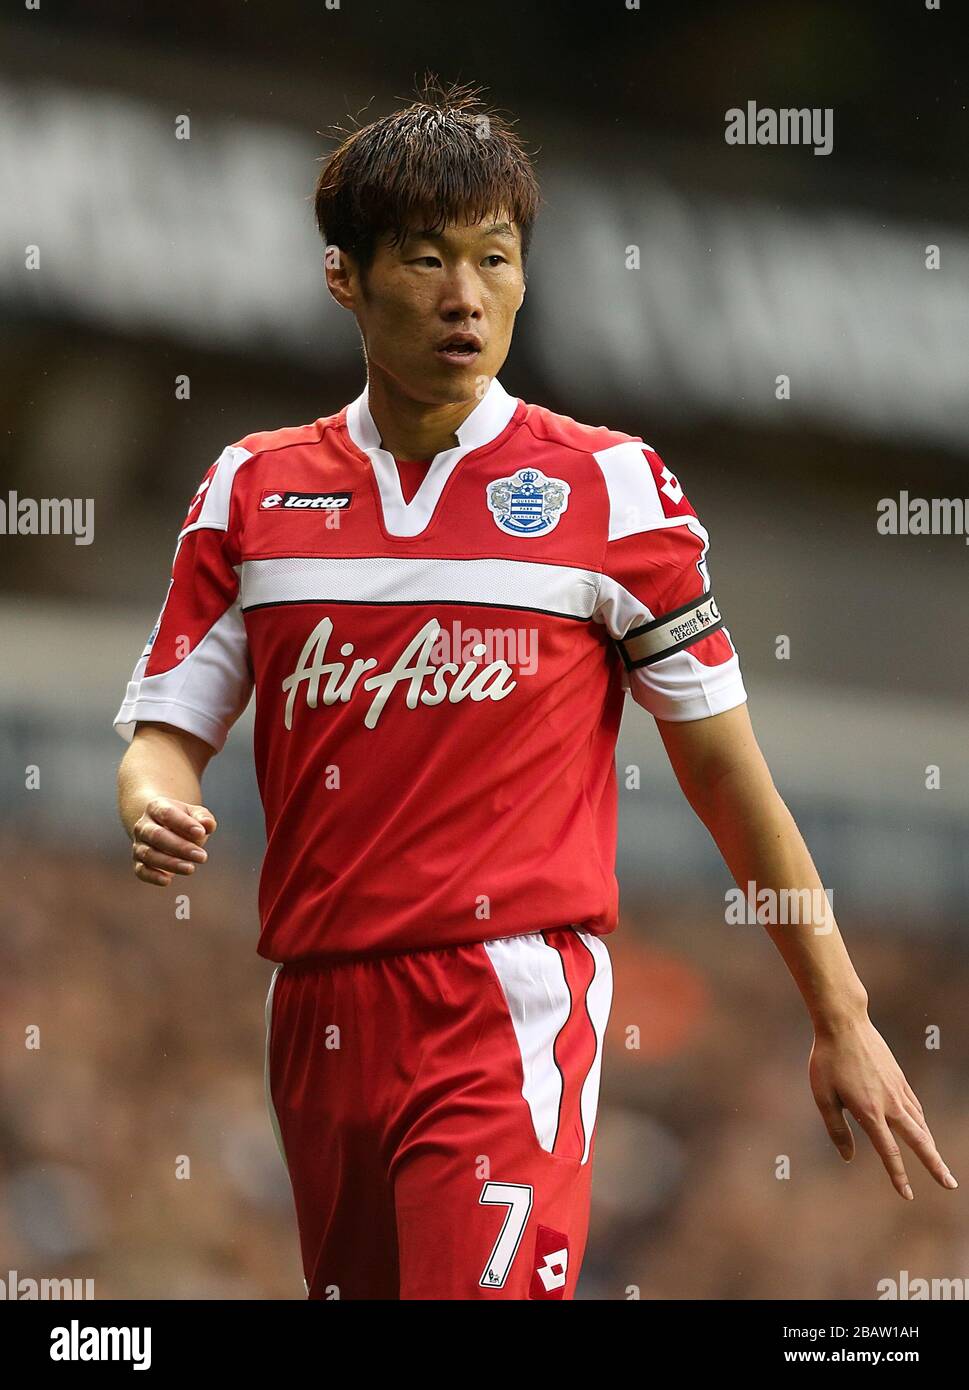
(154, 632)
(642, 646)
(528, 503)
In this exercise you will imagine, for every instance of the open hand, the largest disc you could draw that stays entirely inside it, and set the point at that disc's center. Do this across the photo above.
(852, 1069)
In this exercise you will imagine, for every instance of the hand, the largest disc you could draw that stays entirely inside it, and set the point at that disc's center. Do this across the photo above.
(168, 838)
(852, 1068)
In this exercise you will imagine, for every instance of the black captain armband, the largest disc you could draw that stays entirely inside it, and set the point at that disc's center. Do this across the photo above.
(651, 642)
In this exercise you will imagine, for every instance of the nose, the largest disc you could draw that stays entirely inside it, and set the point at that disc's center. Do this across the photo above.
(461, 300)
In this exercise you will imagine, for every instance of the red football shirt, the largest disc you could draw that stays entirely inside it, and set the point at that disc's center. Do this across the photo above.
(439, 681)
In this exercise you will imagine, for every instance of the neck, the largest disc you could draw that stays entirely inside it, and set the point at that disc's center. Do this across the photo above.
(412, 429)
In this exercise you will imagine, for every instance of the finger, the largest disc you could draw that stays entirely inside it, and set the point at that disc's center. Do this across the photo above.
(922, 1144)
(910, 1095)
(911, 1103)
(886, 1147)
(176, 818)
(155, 876)
(203, 814)
(167, 842)
(916, 1116)
(154, 859)
(838, 1127)
(914, 1108)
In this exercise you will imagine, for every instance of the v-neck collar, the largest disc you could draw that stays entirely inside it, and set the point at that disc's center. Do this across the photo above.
(489, 417)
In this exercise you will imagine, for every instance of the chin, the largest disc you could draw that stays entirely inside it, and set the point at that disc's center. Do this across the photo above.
(454, 387)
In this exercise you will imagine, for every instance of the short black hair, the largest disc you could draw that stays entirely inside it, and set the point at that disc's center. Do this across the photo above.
(447, 157)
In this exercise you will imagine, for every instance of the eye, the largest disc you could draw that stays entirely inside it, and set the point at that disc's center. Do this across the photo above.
(495, 257)
(423, 260)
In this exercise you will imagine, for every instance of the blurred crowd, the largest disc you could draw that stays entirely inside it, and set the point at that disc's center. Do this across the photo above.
(135, 1148)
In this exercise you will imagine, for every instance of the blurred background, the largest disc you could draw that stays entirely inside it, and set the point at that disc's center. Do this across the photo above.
(163, 296)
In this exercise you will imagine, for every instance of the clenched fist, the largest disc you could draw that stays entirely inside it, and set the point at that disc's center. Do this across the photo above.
(167, 839)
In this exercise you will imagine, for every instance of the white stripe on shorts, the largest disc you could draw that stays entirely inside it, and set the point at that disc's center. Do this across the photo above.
(273, 1118)
(539, 1000)
(598, 1001)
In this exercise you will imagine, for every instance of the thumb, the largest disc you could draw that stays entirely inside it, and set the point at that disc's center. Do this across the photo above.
(205, 817)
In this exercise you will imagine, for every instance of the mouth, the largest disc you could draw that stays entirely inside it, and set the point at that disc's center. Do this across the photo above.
(460, 349)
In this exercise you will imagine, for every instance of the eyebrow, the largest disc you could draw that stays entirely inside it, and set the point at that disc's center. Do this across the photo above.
(503, 229)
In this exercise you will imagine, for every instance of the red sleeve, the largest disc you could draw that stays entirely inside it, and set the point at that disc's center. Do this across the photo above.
(195, 672)
(656, 597)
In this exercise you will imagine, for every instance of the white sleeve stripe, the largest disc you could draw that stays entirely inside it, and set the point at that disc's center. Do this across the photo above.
(680, 688)
(634, 501)
(211, 685)
(619, 610)
(144, 709)
(692, 523)
(214, 514)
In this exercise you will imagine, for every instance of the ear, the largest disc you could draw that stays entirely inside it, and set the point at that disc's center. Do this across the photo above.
(339, 280)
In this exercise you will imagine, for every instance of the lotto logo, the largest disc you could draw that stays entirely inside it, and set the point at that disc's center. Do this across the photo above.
(670, 486)
(203, 489)
(305, 501)
(551, 1264)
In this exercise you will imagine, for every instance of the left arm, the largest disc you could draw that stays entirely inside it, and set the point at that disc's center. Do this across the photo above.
(722, 772)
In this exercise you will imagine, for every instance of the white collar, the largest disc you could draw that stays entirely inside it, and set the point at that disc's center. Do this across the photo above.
(489, 417)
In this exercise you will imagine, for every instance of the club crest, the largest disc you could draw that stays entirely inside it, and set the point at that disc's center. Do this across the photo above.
(528, 503)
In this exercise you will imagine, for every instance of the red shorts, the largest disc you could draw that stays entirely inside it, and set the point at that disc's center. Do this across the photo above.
(436, 1112)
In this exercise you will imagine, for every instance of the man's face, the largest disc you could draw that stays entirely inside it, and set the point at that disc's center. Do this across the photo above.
(466, 279)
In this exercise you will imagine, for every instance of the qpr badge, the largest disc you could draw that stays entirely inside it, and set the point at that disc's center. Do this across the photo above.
(528, 503)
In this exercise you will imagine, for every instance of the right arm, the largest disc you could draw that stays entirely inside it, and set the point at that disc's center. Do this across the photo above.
(192, 682)
(159, 799)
